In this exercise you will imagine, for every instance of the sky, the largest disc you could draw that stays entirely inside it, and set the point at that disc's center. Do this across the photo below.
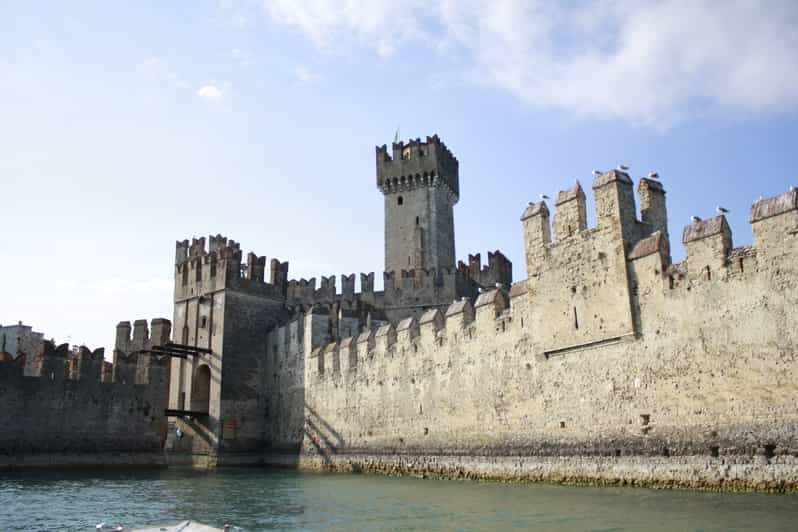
(125, 126)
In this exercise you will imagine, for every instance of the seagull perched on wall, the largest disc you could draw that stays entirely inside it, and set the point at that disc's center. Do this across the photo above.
(597, 172)
(695, 219)
(622, 167)
(544, 197)
(721, 210)
(653, 175)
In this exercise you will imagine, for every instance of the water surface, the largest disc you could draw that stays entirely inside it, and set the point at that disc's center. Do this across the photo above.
(264, 499)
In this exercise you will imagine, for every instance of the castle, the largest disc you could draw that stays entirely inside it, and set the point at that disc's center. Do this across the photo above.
(252, 384)
(608, 363)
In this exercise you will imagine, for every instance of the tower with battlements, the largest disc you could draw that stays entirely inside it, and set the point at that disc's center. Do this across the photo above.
(420, 182)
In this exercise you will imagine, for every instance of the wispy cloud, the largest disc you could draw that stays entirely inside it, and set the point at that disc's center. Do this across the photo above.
(230, 15)
(244, 58)
(649, 63)
(304, 76)
(210, 93)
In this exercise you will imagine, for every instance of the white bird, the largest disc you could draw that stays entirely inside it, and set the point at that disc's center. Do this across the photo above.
(597, 173)
(622, 167)
(653, 175)
(695, 219)
(544, 197)
(721, 210)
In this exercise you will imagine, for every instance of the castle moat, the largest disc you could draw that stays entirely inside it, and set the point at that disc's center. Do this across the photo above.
(264, 499)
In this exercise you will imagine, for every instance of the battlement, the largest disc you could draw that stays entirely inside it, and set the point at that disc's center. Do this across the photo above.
(498, 270)
(589, 280)
(200, 269)
(304, 291)
(59, 363)
(373, 350)
(615, 207)
(417, 164)
(133, 358)
(419, 286)
(614, 201)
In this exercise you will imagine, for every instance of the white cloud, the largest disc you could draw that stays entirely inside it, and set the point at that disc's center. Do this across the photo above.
(305, 76)
(651, 63)
(244, 58)
(211, 93)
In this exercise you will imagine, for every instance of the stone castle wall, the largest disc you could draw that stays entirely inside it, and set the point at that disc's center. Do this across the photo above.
(65, 408)
(607, 364)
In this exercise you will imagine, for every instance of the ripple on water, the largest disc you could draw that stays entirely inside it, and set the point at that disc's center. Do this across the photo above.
(260, 499)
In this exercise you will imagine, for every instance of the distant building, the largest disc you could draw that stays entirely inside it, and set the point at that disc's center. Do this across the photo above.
(19, 339)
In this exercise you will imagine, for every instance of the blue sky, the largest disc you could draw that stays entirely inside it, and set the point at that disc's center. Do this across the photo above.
(127, 126)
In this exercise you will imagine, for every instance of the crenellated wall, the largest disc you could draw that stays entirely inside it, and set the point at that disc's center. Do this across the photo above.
(408, 292)
(607, 364)
(65, 408)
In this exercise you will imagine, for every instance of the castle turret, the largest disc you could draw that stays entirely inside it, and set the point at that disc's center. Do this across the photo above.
(571, 214)
(653, 212)
(420, 182)
(537, 234)
(615, 203)
(708, 243)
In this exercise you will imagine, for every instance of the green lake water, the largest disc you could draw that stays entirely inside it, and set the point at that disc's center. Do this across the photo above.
(264, 499)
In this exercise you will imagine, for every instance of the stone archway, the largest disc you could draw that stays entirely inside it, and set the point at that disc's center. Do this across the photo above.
(201, 389)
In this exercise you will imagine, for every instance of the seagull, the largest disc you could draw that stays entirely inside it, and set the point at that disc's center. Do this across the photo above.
(653, 175)
(597, 173)
(695, 219)
(721, 210)
(544, 197)
(622, 167)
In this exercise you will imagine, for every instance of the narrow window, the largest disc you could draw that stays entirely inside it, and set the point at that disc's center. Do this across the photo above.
(400, 200)
(203, 322)
(708, 273)
(199, 270)
(213, 267)
(670, 282)
(185, 274)
(741, 262)
(741, 265)
(576, 319)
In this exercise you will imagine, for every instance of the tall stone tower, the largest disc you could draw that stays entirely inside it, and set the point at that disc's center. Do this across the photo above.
(420, 182)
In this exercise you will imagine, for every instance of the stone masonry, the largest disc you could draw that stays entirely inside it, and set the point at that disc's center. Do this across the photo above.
(607, 364)
(69, 408)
